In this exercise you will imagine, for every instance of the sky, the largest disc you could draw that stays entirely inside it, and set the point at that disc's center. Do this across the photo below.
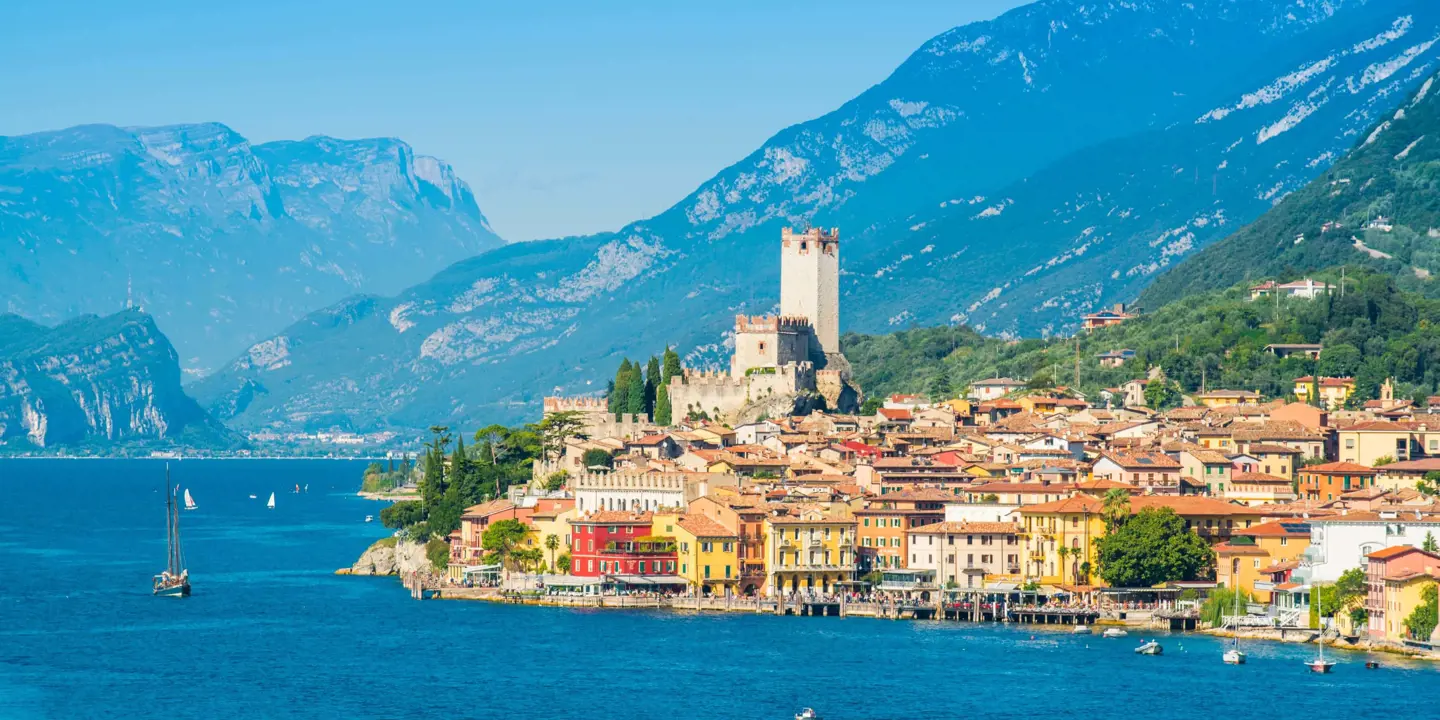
(565, 116)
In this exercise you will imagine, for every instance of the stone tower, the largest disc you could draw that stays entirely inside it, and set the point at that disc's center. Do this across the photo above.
(810, 283)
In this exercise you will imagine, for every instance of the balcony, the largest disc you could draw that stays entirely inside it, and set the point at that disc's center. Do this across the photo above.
(638, 548)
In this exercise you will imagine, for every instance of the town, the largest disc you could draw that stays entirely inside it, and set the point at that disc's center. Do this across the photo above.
(764, 487)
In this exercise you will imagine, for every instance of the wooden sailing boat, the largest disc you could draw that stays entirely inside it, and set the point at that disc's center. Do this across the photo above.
(1234, 655)
(175, 581)
(189, 501)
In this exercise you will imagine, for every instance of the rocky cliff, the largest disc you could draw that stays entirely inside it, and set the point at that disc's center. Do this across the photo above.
(388, 557)
(225, 242)
(95, 381)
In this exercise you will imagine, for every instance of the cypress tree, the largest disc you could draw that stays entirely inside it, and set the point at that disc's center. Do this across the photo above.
(671, 366)
(652, 381)
(620, 397)
(635, 396)
(662, 406)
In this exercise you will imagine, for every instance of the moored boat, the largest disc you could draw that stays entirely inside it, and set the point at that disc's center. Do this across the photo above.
(1149, 647)
(175, 580)
(1114, 633)
(1081, 630)
(369, 518)
(1234, 655)
(1319, 664)
(807, 714)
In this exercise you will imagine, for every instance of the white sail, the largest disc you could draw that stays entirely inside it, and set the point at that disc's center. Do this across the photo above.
(189, 501)
(271, 504)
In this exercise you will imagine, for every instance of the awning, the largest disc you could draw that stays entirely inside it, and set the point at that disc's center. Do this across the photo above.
(568, 581)
(1004, 587)
(647, 580)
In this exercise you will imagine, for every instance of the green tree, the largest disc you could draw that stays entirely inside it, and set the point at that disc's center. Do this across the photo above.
(619, 399)
(557, 427)
(1430, 484)
(989, 498)
(503, 538)
(1221, 604)
(402, 514)
(1161, 394)
(552, 543)
(563, 563)
(635, 396)
(652, 384)
(664, 415)
(1115, 508)
(1348, 590)
(595, 457)
(556, 480)
(438, 552)
(1430, 544)
(1341, 360)
(1422, 620)
(670, 366)
(1151, 548)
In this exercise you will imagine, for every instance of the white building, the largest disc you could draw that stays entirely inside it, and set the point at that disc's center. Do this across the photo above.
(981, 512)
(1341, 543)
(643, 491)
(994, 388)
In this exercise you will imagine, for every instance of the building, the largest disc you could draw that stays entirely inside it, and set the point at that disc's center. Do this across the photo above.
(808, 550)
(1227, 398)
(1150, 471)
(1305, 289)
(744, 516)
(1115, 358)
(1252, 488)
(640, 491)
(781, 355)
(966, 554)
(1331, 480)
(1405, 474)
(994, 388)
(1059, 539)
(1253, 556)
(883, 528)
(706, 551)
(1389, 576)
(617, 542)
(1209, 468)
(1368, 442)
(1333, 391)
(1105, 318)
(466, 549)
(1284, 350)
(1342, 542)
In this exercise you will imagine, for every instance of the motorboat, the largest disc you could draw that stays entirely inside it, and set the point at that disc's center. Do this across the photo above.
(1233, 657)
(1114, 633)
(807, 714)
(1149, 647)
(1081, 630)
(369, 518)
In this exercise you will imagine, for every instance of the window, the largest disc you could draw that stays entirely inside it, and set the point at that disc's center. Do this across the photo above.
(727, 572)
(867, 522)
(969, 539)
(729, 547)
(707, 572)
(1284, 541)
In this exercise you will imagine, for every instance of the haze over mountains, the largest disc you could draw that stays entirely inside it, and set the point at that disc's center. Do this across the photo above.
(1011, 174)
(223, 241)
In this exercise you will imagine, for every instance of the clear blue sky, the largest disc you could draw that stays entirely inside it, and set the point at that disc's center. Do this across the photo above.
(566, 116)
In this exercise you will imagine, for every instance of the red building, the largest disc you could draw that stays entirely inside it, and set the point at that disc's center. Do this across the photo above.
(616, 542)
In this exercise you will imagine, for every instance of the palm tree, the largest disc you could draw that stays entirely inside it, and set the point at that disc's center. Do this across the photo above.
(1063, 552)
(552, 543)
(1115, 508)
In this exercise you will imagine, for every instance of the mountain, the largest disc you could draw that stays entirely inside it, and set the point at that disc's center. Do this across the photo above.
(96, 381)
(225, 242)
(1379, 206)
(1011, 174)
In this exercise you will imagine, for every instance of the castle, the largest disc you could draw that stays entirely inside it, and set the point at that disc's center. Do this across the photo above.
(787, 363)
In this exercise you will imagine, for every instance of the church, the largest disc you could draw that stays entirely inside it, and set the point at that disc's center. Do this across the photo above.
(786, 364)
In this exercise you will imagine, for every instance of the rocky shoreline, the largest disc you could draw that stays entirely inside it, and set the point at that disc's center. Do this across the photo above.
(1307, 635)
(390, 556)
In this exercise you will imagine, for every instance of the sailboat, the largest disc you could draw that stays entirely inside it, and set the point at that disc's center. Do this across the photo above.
(1320, 664)
(175, 581)
(189, 501)
(1234, 655)
(271, 503)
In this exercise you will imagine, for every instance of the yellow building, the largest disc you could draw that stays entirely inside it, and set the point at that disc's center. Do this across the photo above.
(1227, 398)
(1364, 443)
(1403, 593)
(808, 550)
(1059, 540)
(1254, 556)
(1333, 391)
(706, 555)
(548, 521)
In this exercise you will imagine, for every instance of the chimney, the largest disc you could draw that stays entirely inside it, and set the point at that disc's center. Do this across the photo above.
(1119, 307)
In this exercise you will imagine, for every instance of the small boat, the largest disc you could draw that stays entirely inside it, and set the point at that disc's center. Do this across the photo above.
(1081, 630)
(189, 501)
(271, 503)
(1149, 647)
(1372, 665)
(1234, 655)
(252, 497)
(807, 714)
(1320, 664)
(1114, 633)
(369, 518)
(307, 487)
(175, 580)
(297, 489)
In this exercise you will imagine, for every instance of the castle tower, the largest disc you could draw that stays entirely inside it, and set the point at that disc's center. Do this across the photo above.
(810, 282)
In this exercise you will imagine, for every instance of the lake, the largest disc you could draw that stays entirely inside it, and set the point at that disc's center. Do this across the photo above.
(270, 632)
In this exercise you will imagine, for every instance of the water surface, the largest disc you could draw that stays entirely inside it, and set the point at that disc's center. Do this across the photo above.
(271, 633)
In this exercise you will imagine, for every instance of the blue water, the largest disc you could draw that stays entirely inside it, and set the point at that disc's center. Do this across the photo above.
(271, 633)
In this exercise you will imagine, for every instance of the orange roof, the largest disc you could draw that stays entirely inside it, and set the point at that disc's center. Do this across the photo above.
(975, 528)
(1255, 478)
(1393, 551)
(1191, 505)
(614, 517)
(486, 509)
(1231, 549)
(702, 526)
(1340, 467)
(1076, 504)
(896, 413)
(1277, 529)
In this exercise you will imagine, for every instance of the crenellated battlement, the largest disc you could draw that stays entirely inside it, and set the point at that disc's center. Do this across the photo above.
(814, 237)
(575, 404)
(771, 323)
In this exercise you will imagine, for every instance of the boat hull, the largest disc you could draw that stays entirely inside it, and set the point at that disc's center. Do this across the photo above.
(181, 590)
(1320, 667)
(1234, 657)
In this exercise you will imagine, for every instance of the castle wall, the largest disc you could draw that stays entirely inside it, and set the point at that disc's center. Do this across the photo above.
(769, 341)
(810, 283)
(599, 421)
(709, 392)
